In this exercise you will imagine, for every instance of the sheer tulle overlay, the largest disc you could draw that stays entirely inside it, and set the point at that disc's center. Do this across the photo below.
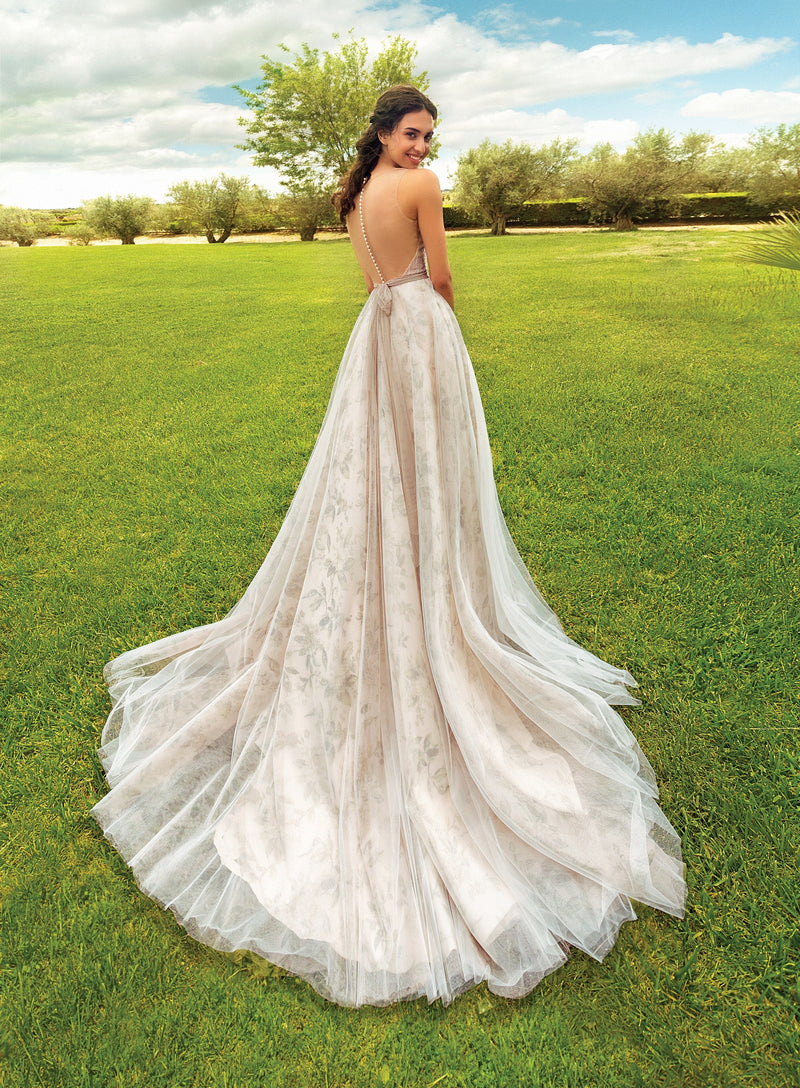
(388, 769)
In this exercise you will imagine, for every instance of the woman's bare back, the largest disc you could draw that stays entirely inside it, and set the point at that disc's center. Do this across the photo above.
(390, 241)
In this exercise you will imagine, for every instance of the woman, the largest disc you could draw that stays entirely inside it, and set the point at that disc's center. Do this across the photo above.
(388, 769)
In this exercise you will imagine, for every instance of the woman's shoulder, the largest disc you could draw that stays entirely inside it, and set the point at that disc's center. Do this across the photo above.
(421, 180)
(417, 187)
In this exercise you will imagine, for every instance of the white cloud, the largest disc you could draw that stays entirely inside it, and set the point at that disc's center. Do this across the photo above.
(733, 139)
(618, 133)
(654, 98)
(740, 104)
(97, 86)
(618, 35)
(470, 68)
(507, 20)
(534, 128)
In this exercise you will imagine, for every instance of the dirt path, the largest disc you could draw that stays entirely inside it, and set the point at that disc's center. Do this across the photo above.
(326, 236)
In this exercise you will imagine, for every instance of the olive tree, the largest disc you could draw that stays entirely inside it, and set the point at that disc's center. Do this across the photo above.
(623, 185)
(22, 225)
(723, 170)
(493, 181)
(81, 234)
(261, 211)
(215, 207)
(307, 112)
(776, 171)
(122, 217)
(305, 209)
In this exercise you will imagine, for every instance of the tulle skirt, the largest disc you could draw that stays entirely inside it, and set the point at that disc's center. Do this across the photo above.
(388, 769)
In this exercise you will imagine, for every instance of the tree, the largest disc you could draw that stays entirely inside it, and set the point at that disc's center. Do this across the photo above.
(776, 173)
(23, 226)
(306, 209)
(622, 186)
(723, 170)
(215, 207)
(308, 114)
(493, 181)
(261, 213)
(81, 234)
(120, 217)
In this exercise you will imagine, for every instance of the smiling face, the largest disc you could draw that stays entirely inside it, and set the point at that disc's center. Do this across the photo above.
(409, 141)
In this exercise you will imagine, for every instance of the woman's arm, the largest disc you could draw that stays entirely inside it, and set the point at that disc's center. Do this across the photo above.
(421, 198)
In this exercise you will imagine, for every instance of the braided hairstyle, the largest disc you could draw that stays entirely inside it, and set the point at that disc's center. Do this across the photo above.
(390, 109)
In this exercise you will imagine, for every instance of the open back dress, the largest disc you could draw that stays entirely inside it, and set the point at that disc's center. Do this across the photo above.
(388, 769)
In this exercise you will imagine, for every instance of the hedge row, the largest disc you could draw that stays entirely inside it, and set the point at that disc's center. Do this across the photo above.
(713, 207)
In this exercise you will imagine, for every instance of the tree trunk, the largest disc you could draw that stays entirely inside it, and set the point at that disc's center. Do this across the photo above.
(222, 238)
(499, 225)
(622, 221)
(128, 239)
(307, 234)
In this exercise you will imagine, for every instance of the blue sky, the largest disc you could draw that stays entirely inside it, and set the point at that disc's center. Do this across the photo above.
(131, 96)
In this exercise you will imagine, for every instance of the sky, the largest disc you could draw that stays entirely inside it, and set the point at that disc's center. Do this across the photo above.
(132, 96)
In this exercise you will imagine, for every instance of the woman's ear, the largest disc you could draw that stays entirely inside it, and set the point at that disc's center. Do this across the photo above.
(383, 135)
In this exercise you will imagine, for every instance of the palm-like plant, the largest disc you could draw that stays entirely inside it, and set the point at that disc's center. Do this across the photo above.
(778, 244)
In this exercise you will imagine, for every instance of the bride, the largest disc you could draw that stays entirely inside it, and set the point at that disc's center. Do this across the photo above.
(388, 769)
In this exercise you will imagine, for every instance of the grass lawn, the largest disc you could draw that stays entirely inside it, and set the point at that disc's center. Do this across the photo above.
(642, 400)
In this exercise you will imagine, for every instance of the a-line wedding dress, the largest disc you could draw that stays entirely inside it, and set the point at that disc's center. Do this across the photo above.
(388, 769)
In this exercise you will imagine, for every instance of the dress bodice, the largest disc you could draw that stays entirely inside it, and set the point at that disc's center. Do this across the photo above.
(417, 267)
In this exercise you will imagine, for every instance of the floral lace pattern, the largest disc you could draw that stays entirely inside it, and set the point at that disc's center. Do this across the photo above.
(387, 768)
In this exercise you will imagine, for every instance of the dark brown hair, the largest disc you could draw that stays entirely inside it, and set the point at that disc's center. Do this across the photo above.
(390, 109)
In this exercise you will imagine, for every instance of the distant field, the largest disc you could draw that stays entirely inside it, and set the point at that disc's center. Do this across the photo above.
(159, 405)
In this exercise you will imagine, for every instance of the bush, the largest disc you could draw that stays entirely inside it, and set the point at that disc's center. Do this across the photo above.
(553, 213)
(707, 207)
(81, 234)
(456, 218)
(723, 207)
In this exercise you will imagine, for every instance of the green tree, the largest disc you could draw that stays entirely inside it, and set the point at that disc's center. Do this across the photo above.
(307, 113)
(81, 233)
(624, 185)
(261, 212)
(776, 173)
(215, 207)
(493, 181)
(120, 217)
(305, 209)
(723, 170)
(23, 226)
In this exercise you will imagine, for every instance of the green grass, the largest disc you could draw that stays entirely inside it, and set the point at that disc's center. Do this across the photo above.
(641, 394)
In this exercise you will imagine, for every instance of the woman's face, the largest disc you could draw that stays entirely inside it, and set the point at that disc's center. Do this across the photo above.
(409, 141)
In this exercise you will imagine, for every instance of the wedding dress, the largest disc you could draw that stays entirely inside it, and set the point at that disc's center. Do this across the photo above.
(388, 769)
